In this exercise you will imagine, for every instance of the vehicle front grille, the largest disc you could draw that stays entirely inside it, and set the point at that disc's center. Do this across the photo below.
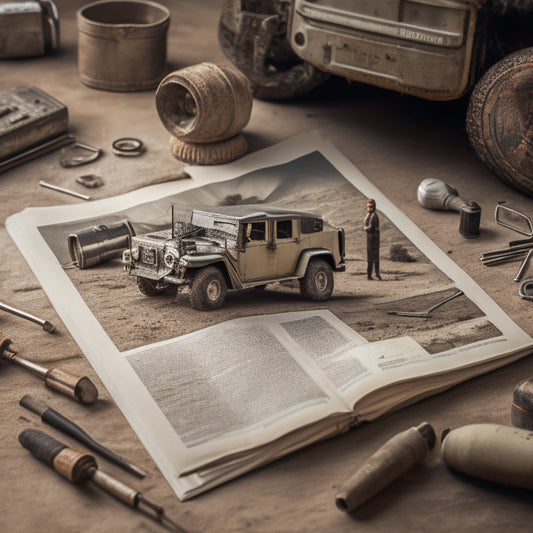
(148, 256)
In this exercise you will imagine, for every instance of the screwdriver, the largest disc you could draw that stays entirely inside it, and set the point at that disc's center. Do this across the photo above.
(56, 419)
(81, 389)
(78, 466)
(49, 328)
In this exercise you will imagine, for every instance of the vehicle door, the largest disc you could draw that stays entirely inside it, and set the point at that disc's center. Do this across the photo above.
(255, 258)
(285, 244)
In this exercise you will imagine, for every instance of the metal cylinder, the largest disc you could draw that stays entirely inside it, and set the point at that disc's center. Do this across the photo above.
(29, 28)
(470, 217)
(97, 244)
(522, 405)
(122, 45)
(204, 103)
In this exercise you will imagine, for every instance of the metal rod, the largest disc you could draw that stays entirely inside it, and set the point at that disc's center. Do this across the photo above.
(523, 266)
(503, 259)
(425, 314)
(81, 388)
(63, 190)
(446, 300)
(22, 314)
(24, 363)
(505, 251)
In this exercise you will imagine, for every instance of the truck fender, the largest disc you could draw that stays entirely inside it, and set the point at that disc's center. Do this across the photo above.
(192, 261)
(219, 261)
(307, 255)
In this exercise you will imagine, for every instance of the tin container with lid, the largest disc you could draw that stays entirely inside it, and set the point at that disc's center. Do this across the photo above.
(122, 44)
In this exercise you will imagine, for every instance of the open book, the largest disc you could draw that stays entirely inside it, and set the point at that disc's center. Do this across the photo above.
(215, 394)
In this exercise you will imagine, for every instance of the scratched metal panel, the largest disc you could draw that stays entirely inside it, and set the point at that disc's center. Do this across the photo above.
(422, 47)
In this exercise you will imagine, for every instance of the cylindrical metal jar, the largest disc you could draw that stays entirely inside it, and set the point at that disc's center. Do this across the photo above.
(122, 44)
(96, 244)
(29, 28)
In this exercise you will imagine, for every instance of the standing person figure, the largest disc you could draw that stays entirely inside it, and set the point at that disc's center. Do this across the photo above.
(371, 226)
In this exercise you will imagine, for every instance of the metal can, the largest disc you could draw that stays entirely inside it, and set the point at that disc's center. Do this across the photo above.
(99, 243)
(28, 28)
(122, 44)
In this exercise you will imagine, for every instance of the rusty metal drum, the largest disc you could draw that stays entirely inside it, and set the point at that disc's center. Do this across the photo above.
(122, 44)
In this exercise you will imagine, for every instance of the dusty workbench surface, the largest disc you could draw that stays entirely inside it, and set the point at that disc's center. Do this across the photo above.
(396, 141)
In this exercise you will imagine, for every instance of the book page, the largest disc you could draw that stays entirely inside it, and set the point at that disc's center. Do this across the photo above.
(113, 323)
(228, 379)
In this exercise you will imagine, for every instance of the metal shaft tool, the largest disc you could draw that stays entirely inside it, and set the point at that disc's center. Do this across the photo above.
(426, 314)
(49, 328)
(63, 190)
(77, 466)
(81, 389)
(56, 419)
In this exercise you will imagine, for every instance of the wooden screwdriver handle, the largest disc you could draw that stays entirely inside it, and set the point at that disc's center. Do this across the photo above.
(81, 389)
(41, 445)
(71, 464)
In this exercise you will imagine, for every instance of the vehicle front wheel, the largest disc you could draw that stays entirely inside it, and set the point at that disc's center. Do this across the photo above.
(208, 289)
(149, 287)
(317, 284)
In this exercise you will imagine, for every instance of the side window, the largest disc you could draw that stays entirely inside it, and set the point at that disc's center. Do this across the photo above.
(312, 225)
(255, 231)
(283, 229)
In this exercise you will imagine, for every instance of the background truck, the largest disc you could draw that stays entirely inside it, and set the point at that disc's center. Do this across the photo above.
(433, 49)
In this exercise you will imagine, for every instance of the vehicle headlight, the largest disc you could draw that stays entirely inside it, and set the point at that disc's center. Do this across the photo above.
(135, 253)
(170, 258)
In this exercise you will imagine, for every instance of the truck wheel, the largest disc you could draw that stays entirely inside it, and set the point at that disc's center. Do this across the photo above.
(317, 284)
(499, 120)
(149, 288)
(208, 289)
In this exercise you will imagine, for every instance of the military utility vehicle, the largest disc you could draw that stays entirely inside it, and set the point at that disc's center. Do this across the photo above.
(433, 49)
(237, 247)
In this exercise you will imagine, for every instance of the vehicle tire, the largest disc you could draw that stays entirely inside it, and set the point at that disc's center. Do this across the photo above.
(148, 287)
(255, 41)
(499, 120)
(317, 284)
(500, 7)
(208, 289)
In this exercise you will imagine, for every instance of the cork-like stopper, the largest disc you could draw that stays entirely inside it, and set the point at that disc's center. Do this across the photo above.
(208, 153)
